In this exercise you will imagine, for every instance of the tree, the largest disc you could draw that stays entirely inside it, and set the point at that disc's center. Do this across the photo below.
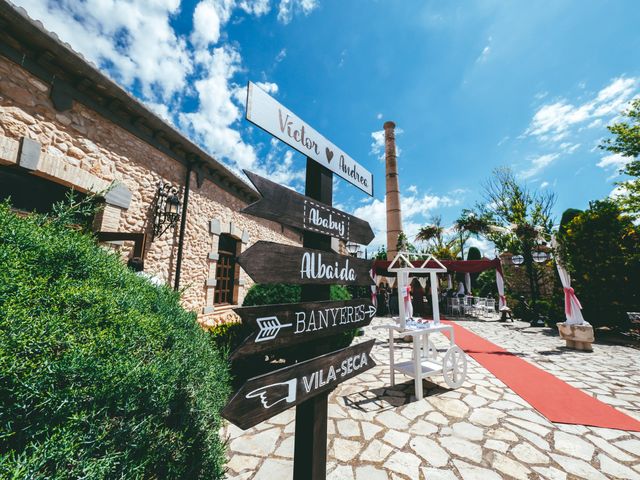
(438, 243)
(626, 142)
(468, 224)
(601, 249)
(516, 219)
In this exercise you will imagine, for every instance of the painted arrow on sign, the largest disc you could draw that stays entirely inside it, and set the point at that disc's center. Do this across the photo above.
(267, 395)
(268, 262)
(277, 326)
(283, 205)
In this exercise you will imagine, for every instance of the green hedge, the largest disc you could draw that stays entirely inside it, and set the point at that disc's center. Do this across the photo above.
(102, 374)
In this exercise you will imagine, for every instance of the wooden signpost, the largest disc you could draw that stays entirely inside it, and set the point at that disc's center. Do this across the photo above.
(265, 396)
(285, 206)
(267, 113)
(306, 384)
(268, 262)
(277, 326)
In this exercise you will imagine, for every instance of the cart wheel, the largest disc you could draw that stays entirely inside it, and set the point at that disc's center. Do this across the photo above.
(454, 367)
(432, 351)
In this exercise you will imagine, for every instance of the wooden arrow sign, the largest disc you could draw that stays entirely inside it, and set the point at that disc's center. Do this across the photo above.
(268, 262)
(283, 205)
(267, 395)
(278, 326)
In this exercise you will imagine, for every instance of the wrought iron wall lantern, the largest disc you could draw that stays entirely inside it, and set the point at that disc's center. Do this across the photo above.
(167, 209)
(353, 249)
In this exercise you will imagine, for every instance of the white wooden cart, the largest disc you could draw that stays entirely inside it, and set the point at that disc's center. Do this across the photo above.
(426, 359)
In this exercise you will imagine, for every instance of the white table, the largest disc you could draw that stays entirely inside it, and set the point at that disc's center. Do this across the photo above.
(425, 362)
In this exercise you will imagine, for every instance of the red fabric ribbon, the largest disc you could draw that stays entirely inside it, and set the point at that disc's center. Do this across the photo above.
(407, 292)
(503, 301)
(568, 295)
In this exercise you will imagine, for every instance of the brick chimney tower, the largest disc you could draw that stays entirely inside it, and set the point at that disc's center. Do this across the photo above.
(394, 215)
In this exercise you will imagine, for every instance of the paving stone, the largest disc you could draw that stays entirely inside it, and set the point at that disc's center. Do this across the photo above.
(395, 438)
(505, 405)
(405, 463)
(577, 467)
(509, 467)
(468, 431)
(497, 445)
(538, 441)
(486, 393)
(369, 472)
(533, 427)
(272, 468)
(422, 428)
(341, 472)
(462, 448)
(615, 469)
(486, 416)
(348, 428)
(376, 451)
(260, 444)
(370, 430)
(286, 448)
(415, 409)
(614, 452)
(472, 472)
(450, 407)
(631, 446)
(437, 417)
(393, 421)
(528, 454)
(437, 474)
(474, 401)
(345, 450)
(502, 434)
(550, 473)
(430, 451)
(572, 445)
(238, 463)
(531, 416)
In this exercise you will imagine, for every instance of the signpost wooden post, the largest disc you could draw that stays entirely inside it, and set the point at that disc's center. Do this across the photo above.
(285, 206)
(268, 262)
(277, 326)
(265, 396)
(306, 384)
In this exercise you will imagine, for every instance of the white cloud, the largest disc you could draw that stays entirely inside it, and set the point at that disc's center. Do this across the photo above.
(255, 7)
(486, 51)
(379, 116)
(544, 184)
(613, 163)
(377, 145)
(288, 8)
(553, 122)
(568, 147)
(282, 54)
(188, 79)
(538, 164)
(416, 210)
(487, 248)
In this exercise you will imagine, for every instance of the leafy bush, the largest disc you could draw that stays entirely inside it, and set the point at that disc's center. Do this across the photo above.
(486, 285)
(102, 374)
(601, 249)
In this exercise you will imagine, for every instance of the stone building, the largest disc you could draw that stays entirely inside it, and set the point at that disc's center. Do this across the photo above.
(64, 124)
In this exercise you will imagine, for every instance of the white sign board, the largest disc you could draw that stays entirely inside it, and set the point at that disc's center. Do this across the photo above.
(267, 113)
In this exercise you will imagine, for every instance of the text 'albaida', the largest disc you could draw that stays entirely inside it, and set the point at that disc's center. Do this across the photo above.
(313, 268)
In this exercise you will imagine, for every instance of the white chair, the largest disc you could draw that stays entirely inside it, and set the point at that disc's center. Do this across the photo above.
(468, 305)
(456, 307)
(481, 306)
(491, 306)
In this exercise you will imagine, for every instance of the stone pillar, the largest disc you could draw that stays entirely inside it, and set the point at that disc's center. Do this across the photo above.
(394, 215)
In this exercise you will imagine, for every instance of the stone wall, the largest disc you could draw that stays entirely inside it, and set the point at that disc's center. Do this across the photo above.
(79, 148)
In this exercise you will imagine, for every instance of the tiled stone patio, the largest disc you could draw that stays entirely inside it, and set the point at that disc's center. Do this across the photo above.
(480, 431)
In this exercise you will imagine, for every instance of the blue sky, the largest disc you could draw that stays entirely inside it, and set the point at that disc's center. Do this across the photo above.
(470, 85)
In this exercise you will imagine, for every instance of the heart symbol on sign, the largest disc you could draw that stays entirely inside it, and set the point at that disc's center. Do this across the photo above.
(329, 154)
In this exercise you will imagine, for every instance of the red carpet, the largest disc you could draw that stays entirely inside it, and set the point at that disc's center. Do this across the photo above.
(553, 398)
